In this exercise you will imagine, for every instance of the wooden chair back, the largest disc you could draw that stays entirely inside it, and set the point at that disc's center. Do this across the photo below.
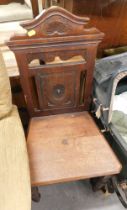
(56, 59)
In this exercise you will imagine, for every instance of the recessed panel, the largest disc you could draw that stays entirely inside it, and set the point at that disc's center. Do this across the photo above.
(56, 90)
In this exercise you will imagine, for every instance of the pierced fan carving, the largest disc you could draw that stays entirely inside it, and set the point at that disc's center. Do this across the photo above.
(55, 27)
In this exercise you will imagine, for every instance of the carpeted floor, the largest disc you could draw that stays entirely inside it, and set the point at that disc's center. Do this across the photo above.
(75, 196)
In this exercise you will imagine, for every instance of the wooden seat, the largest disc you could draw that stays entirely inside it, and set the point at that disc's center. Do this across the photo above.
(56, 60)
(68, 147)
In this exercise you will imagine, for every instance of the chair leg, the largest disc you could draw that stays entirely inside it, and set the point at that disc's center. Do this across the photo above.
(36, 196)
(99, 183)
(121, 190)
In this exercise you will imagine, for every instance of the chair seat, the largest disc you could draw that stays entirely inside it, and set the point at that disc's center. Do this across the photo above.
(68, 147)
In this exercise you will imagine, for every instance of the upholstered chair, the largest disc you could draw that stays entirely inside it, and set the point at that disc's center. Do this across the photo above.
(15, 191)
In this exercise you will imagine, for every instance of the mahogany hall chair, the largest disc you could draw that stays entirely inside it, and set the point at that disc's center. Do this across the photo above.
(56, 59)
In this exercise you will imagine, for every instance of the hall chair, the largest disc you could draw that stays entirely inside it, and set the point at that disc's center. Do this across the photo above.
(56, 59)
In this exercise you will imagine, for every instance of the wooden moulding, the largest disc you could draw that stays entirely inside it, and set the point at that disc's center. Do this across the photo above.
(56, 22)
(56, 33)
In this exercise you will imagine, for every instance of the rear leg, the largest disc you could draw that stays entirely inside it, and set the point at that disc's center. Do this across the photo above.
(36, 196)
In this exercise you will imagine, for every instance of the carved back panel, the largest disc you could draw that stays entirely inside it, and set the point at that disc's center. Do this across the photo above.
(56, 59)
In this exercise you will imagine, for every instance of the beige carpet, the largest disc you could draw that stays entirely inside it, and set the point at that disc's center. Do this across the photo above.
(15, 11)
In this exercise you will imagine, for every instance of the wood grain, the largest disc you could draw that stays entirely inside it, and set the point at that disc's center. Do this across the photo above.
(63, 147)
(2, 2)
(35, 7)
(109, 16)
(55, 88)
(68, 147)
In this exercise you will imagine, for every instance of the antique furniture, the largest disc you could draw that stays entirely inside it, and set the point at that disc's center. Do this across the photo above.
(56, 60)
(9, 1)
(105, 15)
(35, 7)
(109, 17)
(15, 186)
(110, 106)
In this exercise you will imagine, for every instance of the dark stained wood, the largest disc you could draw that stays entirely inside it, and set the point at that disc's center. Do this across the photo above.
(2, 2)
(35, 7)
(56, 60)
(55, 39)
(109, 17)
(68, 147)
(61, 148)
